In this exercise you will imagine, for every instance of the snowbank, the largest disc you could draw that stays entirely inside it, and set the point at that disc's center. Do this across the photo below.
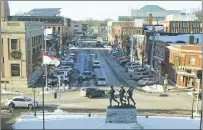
(64, 120)
(3, 91)
(153, 88)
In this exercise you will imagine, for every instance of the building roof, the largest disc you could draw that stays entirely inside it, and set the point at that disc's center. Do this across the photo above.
(45, 12)
(152, 8)
(182, 37)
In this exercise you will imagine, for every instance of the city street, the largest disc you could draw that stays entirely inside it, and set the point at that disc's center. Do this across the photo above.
(144, 101)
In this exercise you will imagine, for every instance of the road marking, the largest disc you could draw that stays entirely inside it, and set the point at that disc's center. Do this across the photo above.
(185, 101)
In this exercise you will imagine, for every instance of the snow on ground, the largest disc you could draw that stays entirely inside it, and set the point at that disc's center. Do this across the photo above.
(153, 88)
(65, 120)
(3, 91)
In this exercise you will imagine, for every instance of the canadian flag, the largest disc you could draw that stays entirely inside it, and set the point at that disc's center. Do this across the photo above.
(50, 60)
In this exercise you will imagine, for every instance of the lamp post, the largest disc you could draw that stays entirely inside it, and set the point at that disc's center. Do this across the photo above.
(44, 77)
(193, 98)
(34, 90)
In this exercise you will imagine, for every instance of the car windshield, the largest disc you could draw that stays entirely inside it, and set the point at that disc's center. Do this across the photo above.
(102, 79)
(96, 62)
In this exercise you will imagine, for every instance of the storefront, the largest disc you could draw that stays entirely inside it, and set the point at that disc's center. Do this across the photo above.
(186, 77)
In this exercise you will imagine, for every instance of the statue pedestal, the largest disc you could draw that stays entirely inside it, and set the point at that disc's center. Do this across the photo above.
(121, 115)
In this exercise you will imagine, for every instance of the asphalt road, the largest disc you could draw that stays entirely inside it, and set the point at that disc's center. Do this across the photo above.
(85, 62)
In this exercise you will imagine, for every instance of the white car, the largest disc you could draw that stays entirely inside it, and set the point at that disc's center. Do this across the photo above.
(146, 81)
(96, 64)
(21, 101)
(101, 81)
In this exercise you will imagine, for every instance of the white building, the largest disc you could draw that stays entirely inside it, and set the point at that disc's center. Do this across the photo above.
(158, 13)
(181, 17)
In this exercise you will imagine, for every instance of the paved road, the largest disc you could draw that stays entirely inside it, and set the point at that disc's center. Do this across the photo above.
(144, 101)
(85, 62)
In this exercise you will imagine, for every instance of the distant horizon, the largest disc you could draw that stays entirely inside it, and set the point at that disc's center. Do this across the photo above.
(98, 10)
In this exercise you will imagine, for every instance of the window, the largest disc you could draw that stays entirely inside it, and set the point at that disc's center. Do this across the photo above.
(59, 29)
(54, 28)
(15, 70)
(192, 61)
(16, 99)
(14, 45)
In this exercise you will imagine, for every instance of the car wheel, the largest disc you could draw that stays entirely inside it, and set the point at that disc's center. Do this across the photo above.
(10, 105)
(30, 106)
(90, 96)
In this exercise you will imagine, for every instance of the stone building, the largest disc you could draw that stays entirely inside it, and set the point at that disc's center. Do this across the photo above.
(21, 48)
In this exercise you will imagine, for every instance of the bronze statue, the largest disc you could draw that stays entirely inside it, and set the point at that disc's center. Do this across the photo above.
(122, 95)
(130, 94)
(112, 96)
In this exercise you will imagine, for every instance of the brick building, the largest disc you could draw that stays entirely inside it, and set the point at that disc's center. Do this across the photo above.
(183, 64)
(182, 26)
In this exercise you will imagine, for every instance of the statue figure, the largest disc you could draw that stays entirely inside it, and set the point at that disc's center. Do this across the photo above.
(122, 95)
(130, 94)
(112, 96)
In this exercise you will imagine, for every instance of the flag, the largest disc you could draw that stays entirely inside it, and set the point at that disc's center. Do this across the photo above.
(50, 60)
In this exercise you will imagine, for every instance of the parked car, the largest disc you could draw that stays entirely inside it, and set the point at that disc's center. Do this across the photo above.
(122, 63)
(133, 69)
(89, 74)
(82, 77)
(96, 64)
(101, 81)
(147, 81)
(21, 101)
(91, 92)
(140, 75)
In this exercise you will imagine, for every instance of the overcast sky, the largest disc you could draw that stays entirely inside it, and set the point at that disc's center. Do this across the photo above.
(80, 10)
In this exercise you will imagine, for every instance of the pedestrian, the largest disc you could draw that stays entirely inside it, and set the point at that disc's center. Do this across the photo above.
(130, 95)
(121, 94)
(11, 108)
(112, 96)
(165, 83)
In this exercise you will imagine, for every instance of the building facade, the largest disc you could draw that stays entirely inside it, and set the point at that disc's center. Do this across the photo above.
(182, 26)
(184, 64)
(56, 23)
(21, 51)
(5, 10)
(157, 12)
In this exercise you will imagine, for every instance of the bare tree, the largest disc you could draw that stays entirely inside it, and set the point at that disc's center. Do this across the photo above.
(127, 30)
(198, 14)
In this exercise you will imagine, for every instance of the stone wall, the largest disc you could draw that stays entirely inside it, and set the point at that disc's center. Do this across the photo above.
(121, 115)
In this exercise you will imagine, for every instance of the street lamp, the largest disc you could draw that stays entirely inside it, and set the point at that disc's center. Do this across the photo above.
(34, 90)
(193, 98)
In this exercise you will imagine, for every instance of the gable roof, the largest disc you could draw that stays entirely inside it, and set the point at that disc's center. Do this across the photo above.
(152, 8)
(44, 12)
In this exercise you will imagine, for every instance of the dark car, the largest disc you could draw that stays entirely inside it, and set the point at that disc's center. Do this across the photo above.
(124, 62)
(89, 74)
(92, 92)
(82, 77)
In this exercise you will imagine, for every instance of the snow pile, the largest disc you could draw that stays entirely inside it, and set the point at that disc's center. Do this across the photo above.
(3, 91)
(82, 121)
(153, 88)
(47, 92)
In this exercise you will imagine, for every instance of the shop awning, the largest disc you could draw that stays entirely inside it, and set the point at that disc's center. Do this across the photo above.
(189, 68)
(187, 74)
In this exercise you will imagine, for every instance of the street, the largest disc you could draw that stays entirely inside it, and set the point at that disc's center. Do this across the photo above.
(144, 101)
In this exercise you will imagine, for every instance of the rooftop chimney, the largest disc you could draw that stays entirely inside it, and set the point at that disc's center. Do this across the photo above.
(150, 19)
(191, 39)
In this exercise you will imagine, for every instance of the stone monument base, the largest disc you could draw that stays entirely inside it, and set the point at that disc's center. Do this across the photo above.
(120, 115)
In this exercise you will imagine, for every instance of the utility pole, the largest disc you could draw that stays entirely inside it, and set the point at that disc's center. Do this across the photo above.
(152, 50)
(59, 98)
(197, 102)
(131, 50)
